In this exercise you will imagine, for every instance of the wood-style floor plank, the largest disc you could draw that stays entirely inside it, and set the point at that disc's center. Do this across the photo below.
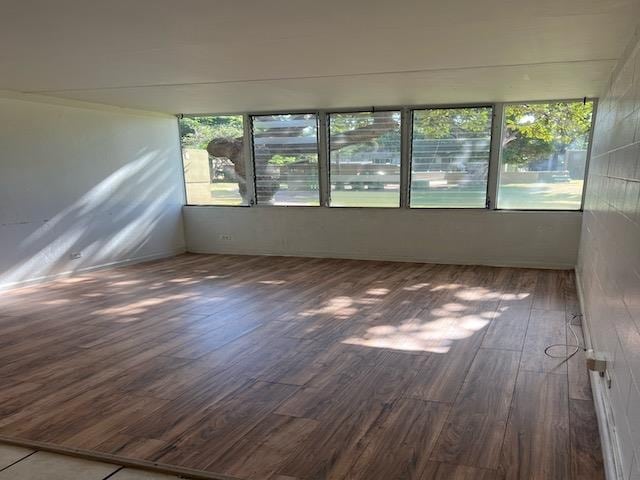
(579, 383)
(508, 329)
(519, 289)
(332, 449)
(303, 368)
(414, 425)
(259, 453)
(536, 445)
(586, 455)
(550, 293)
(226, 422)
(546, 327)
(445, 471)
(444, 373)
(130, 447)
(475, 427)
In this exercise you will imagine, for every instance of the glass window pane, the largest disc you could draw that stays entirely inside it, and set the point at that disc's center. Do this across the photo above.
(213, 160)
(286, 159)
(364, 153)
(544, 153)
(450, 157)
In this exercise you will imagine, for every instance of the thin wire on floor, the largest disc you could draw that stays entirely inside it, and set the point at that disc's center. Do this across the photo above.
(577, 347)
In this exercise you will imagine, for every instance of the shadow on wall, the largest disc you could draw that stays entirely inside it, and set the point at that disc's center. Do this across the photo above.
(129, 214)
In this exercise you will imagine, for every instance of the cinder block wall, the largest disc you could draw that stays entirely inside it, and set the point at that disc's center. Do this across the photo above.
(609, 256)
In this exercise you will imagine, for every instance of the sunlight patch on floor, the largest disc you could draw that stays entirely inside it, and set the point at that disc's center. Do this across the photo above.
(140, 306)
(476, 294)
(416, 287)
(435, 336)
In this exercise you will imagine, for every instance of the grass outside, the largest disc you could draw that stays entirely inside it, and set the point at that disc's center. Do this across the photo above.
(544, 196)
(547, 196)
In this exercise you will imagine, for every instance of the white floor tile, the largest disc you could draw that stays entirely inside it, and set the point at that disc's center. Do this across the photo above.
(10, 454)
(50, 466)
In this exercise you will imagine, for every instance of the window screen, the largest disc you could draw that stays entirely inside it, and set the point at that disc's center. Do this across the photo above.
(364, 154)
(286, 159)
(213, 160)
(450, 157)
(544, 155)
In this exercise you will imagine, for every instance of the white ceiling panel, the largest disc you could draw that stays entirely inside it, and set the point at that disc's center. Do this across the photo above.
(232, 55)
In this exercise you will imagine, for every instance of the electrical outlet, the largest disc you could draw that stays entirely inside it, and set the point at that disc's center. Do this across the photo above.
(226, 238)
(75, 255)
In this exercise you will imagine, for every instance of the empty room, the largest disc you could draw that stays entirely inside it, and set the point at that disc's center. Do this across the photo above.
(304, 240)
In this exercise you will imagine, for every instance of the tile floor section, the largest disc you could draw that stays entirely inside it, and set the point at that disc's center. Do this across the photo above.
(17, 463)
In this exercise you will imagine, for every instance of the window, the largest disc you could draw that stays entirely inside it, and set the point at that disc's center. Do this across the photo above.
(213, 160)
(364, 154)
(544, 154)
(285, 156)
(450, 157)
(540, 157)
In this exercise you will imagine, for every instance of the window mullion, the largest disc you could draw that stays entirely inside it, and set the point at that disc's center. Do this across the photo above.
(494, 158)
(405, 156)
(589, 150)
(323, 159)
(250, 178)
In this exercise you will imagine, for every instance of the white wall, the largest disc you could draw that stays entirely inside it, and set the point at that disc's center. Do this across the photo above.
(609, 262)
(533, 239)
(105, 182)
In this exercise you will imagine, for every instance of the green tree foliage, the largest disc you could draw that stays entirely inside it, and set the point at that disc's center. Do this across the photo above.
(345, 122)
(532, 131)
(452, 123)
(197, 132)
(538, 130)
(282, 160)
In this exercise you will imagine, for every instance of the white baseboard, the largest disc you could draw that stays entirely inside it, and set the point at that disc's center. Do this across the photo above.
(611, 452)
(117, 263)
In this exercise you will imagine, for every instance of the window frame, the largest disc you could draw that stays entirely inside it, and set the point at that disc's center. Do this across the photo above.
(253, 157)
(406, 142)
(410, 148)
(498, 160)
(328, 151)
(249, 180)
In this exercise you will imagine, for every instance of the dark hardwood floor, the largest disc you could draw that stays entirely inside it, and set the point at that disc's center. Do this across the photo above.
(290, 368)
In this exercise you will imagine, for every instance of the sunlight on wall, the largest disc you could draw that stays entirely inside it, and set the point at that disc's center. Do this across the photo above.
(99, 224)
(104, 185)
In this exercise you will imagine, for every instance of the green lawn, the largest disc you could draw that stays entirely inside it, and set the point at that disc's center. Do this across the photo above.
(553, 196)
(550, 196)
